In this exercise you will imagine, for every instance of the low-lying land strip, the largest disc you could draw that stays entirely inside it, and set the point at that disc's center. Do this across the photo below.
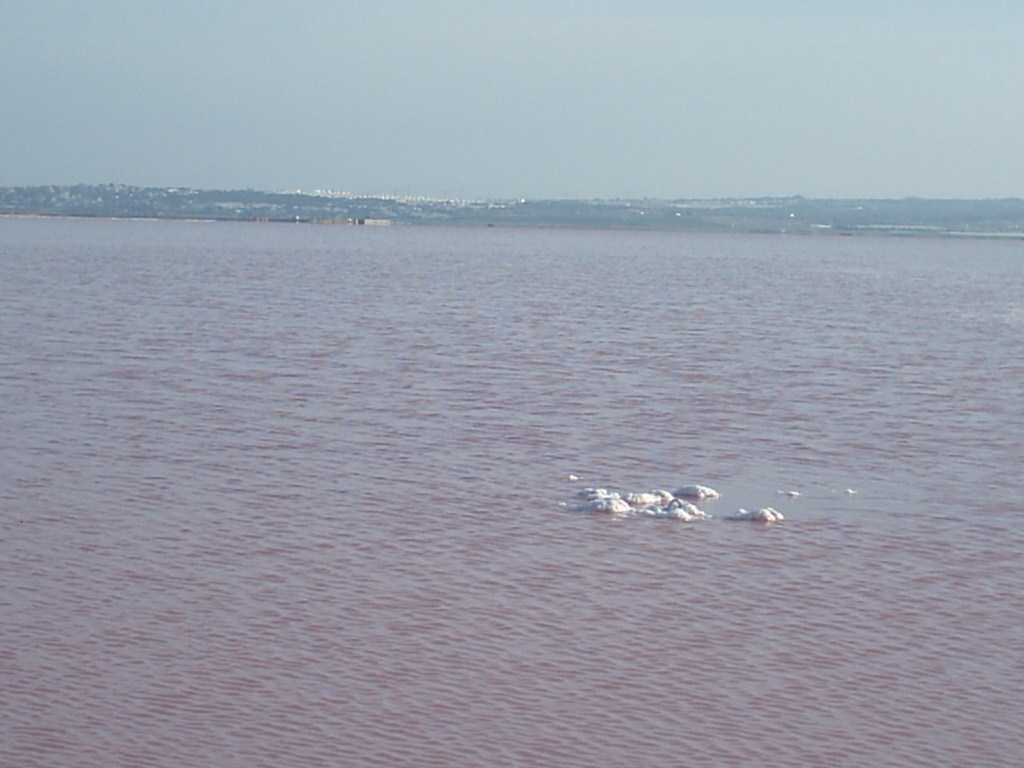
(793, 215)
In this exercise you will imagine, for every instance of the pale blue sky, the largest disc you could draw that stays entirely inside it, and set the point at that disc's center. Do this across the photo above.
(523, 98)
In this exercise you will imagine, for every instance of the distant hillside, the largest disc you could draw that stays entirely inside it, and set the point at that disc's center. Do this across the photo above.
(977, 218)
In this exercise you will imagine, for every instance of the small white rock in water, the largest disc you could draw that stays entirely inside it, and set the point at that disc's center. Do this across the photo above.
(791, 494)
(698, 492)
(573, 478)
(763, 515)
(850, 492)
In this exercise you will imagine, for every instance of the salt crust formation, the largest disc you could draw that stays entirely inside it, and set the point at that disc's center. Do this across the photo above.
(763, 515)
(680, 504)
(648, 504)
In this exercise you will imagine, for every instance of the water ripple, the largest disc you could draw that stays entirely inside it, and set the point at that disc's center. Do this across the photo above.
(287, 496)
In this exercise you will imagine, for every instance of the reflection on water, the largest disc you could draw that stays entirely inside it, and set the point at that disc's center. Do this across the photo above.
(277, 495)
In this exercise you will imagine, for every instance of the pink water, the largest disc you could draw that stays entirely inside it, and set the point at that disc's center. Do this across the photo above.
(278, 495)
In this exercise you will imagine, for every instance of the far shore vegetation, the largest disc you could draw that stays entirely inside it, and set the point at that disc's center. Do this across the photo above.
(791, 215)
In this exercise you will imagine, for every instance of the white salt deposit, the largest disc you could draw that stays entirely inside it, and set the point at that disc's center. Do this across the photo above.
(649, 498)
(763, 515)
(613, 504)
(698, 492)
(677, 509)
(656, 503)
(677, 505)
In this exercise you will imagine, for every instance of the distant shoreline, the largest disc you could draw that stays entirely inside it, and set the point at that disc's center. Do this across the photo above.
(910, 217)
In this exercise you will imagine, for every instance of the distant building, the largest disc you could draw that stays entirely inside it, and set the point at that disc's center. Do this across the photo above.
(359, 222)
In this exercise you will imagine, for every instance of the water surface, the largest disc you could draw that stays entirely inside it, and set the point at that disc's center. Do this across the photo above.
(293, 495)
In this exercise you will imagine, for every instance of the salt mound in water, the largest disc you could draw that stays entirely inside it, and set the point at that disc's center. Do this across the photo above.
(657, 503)
(763, 515)
(677, 509)
(611, 502)
(698, 492)
(649, 499)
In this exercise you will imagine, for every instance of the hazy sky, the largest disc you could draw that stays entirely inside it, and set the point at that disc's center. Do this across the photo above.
(522, 98)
